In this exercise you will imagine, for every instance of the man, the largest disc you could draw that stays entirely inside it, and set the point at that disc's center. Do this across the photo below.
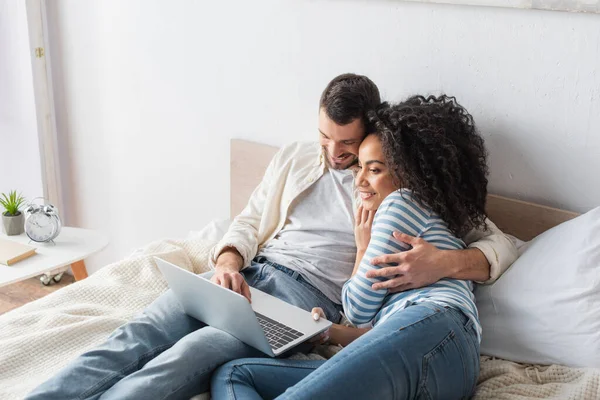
(293, 240)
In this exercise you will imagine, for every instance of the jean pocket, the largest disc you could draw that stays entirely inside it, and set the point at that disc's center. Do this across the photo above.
(253, 273)
(331, 311)
(448, 371)
(465, 322)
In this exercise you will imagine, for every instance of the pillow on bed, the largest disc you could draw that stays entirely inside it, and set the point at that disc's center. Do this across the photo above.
(545, 309)
(214, 230)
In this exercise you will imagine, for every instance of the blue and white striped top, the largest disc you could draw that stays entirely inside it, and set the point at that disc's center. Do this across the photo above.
(400, 211)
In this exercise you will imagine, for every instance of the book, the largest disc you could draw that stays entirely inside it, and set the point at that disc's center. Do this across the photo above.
(13, 252)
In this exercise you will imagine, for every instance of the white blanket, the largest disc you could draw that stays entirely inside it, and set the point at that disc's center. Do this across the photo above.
(39, 338)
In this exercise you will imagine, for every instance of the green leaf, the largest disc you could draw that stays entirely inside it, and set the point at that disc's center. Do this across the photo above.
(11, 202)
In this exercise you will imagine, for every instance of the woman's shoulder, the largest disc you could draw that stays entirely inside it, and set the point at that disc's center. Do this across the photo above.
(405, 197)
(402, 203)
(402, 207)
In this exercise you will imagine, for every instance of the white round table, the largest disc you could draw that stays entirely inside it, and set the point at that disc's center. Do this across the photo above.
(71, 247)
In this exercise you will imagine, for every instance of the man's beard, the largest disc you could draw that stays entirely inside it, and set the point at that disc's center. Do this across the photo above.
(348, 162)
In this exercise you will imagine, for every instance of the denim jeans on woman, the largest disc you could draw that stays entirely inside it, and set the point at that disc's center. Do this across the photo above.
(424, 351)
(165, 354)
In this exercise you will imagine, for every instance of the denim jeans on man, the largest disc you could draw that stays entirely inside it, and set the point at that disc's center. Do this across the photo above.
(165, 354)
(424, 351)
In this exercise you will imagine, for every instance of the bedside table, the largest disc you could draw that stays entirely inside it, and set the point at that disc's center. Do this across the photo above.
(71, 247)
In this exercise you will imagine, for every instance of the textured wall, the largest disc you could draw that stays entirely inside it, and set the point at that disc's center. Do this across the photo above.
(150, 92)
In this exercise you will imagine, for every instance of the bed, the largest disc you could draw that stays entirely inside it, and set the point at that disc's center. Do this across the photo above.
(40, 337)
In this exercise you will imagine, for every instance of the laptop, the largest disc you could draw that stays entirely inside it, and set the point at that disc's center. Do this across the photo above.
(268, 324)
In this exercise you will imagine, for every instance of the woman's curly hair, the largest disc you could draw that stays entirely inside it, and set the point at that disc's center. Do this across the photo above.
(432, 147)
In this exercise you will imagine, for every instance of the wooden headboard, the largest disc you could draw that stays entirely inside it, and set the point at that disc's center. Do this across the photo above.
(524, 220)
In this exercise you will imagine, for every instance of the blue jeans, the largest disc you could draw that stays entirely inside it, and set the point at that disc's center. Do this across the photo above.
(165, 354)
(425, 351)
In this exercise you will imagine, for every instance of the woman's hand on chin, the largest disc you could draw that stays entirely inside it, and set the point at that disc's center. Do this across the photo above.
(363, 220)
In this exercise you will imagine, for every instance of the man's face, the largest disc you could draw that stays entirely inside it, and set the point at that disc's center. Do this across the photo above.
(340, 142)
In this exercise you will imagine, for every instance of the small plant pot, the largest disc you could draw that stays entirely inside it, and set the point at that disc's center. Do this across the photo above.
(13, 224)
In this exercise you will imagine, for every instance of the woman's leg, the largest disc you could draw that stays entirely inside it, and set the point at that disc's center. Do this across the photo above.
(424, 351)
(259, 378)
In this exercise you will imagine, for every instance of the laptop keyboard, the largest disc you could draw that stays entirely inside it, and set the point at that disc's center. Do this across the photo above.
(277, 333)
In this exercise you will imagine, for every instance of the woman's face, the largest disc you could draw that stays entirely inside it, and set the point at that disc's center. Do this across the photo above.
(373, 180)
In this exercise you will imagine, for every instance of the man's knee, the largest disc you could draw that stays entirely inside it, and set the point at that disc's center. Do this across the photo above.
(164, 303)
(210, 343)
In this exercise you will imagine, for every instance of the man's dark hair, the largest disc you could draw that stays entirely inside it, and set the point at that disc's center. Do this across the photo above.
(432, 147)
(348, 97)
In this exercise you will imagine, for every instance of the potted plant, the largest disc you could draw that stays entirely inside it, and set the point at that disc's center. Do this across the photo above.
(12, 218)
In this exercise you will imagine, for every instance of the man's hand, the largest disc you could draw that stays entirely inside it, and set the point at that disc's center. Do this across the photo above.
(227, 273)
(420, 266)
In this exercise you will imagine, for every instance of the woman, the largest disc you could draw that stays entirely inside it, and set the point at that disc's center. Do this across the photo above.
(424, 173)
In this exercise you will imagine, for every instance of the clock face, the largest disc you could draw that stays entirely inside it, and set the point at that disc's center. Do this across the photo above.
(40, 227)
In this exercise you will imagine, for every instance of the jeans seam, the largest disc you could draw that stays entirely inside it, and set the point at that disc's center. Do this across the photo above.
(230, 390)
(94, 388)
(345, 354)
(467, 326)
(422, 319)
(425, 369)
(229, 382)
(469, 329)
(258, 275)
(349, 352)
(193, 377)
(273, 363)
(183, 384)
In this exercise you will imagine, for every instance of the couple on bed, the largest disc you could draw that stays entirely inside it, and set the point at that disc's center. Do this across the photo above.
(382, 220)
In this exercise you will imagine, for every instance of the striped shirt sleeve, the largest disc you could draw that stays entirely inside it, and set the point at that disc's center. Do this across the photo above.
(361, 302)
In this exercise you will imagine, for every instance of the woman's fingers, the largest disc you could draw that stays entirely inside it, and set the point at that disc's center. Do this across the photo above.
(365, 215)
(370, 217)
(318, 313)
(323, 337)
(358, 216)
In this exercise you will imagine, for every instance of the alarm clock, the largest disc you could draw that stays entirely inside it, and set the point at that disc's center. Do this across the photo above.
(42, 222)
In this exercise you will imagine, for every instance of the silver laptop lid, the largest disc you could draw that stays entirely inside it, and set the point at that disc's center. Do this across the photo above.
(218, 307)
(226, 310)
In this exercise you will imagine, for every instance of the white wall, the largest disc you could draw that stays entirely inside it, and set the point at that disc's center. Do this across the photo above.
(19, 148)
(150, 92)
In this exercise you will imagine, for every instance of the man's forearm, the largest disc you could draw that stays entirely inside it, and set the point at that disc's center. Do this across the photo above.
(230, 258)
(469, 264)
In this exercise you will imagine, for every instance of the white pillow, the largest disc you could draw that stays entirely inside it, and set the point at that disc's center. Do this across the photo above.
(214, 230)
(545, 309)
